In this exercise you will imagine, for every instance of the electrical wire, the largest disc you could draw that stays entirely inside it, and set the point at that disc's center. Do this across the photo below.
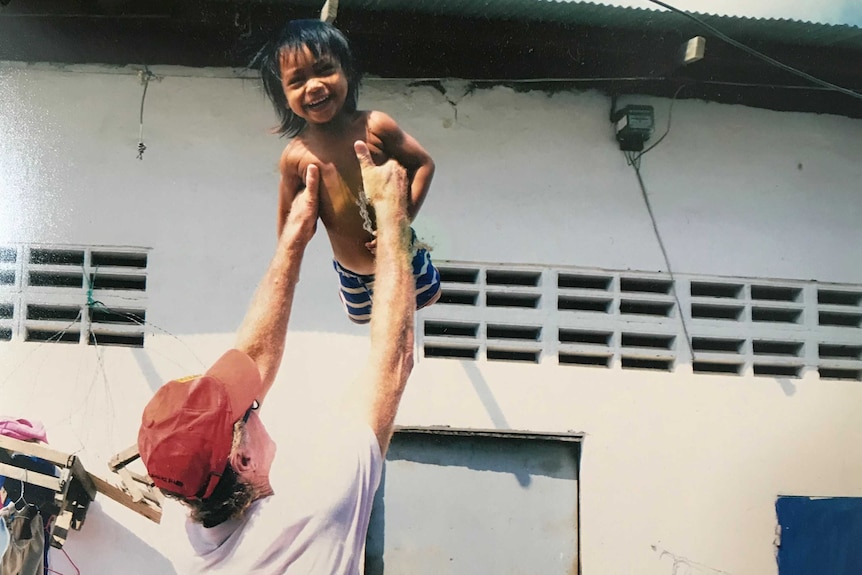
(145, 76)
(69, 559)
(58, 336)
(667, 130)
(138, 320)
(93, 303)
(760, 55)
(634, 161)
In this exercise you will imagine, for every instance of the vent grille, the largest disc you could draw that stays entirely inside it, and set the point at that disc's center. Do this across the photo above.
(512, 300)
(579, 336)
(53, 294)
(627, 320)
(706, 344)
(57, 257)
(716, 367)
(512, 278)
(9, 290)
(716, 290)
(7, 318)
(64, 335)
(527, 333)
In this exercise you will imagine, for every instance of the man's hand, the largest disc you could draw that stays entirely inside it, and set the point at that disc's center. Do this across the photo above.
(302, 216)
(385, 186)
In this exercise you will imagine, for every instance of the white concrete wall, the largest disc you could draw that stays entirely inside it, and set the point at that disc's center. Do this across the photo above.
(675, 467)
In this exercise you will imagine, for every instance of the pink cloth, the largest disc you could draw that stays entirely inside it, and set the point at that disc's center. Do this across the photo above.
(23, 429)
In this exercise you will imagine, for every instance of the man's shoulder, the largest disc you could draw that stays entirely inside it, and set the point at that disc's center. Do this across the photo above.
(331, 445)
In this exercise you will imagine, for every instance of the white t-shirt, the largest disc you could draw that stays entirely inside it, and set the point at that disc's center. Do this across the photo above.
(315, 523)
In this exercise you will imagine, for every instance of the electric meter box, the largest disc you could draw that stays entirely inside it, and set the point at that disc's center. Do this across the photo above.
(634, 127)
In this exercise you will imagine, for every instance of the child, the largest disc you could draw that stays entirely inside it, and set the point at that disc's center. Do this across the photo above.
(309, 75)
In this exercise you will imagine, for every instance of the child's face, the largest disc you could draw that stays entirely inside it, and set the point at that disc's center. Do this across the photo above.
(315, 88)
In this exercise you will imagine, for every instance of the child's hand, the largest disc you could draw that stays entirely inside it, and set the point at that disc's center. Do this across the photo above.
(372, 245)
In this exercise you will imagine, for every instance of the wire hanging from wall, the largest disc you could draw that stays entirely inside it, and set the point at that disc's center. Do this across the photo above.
(635, 163)
(93, 303)
(145, 76)
(633, 159)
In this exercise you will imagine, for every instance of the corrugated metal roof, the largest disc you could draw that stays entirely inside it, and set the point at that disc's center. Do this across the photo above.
(793, 32)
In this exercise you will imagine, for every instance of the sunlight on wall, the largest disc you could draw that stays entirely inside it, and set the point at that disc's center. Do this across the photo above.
(29, 169)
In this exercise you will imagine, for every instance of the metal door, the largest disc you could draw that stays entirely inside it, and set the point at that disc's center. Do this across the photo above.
(473, 503)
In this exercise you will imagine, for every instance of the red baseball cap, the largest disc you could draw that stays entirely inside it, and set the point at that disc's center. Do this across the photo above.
(187, 427)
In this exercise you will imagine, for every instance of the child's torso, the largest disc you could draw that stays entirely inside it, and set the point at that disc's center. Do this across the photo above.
(340, 186)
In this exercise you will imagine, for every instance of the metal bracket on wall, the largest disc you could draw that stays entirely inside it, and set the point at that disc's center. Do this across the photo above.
(133, 490)
(329, 11)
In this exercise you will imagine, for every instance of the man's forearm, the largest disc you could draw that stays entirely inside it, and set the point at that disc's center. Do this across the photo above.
(391, 357)
(391, 354)
(394, 285)
(264, 327)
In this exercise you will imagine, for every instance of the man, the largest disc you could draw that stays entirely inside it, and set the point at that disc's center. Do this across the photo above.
(203, 442)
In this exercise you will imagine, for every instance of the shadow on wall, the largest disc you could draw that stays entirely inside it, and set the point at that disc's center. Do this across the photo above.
(105, 545)
(486, 396)
(482, 454)
(787, 386)
(375, 545)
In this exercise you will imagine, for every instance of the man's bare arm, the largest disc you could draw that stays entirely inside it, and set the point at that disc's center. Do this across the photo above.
(390, 360)
(264, 327)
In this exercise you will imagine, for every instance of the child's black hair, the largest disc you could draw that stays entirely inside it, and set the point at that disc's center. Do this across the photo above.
(322, 39)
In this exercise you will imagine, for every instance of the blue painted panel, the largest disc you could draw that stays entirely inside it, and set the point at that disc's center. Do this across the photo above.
(820, 535)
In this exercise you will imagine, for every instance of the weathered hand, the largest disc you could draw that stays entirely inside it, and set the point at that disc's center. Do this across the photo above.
(302, 217)
(384, 185)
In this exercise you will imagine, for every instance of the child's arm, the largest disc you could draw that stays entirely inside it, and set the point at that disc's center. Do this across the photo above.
(289, 185)
(409, 153)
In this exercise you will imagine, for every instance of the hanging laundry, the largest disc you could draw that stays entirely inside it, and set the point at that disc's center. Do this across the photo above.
(4, 531)
(23, 493)
(23, 429)
(32, 431)
(25, 554)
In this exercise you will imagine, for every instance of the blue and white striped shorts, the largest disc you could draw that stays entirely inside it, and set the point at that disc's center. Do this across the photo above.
(357, 290)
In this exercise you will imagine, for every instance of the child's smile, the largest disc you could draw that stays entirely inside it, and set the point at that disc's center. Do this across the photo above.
(318, 103)
(315, 88)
